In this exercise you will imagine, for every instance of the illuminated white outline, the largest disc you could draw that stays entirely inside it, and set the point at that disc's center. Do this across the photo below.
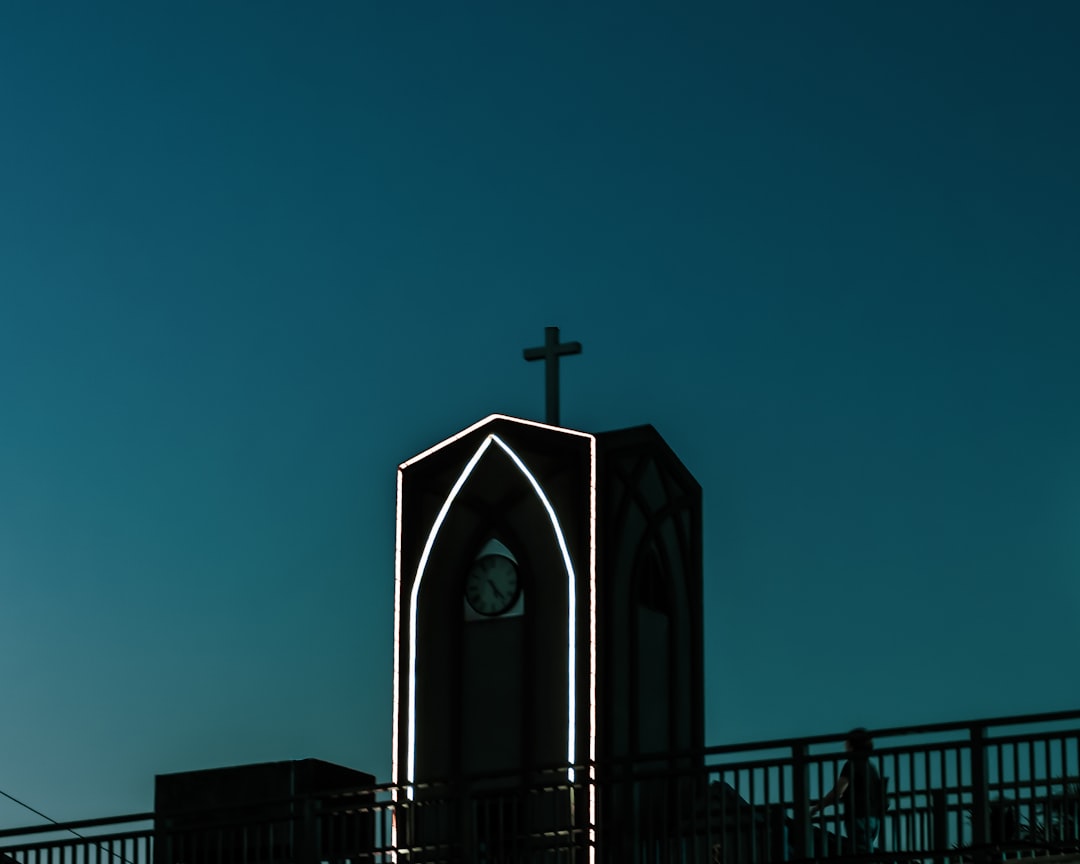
(397, 665)
(422, 567)
(572, 603)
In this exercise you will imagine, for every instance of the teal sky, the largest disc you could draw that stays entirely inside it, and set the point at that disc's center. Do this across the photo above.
(253, 256)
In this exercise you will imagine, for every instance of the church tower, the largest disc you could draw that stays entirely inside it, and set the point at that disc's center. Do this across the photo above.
(547, 619)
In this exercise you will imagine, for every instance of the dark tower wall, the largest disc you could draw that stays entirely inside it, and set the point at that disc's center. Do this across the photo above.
(599, 659)
(649, 564)
(491, 695)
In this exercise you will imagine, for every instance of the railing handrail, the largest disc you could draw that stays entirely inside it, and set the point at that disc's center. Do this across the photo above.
(897, 731)
(77, 825)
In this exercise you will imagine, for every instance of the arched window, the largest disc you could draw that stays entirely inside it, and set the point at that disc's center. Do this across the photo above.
(653, 652)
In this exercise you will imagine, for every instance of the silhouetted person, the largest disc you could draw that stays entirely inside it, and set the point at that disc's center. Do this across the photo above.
(858, 790)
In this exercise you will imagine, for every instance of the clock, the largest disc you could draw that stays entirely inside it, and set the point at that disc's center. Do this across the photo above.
(491, 586)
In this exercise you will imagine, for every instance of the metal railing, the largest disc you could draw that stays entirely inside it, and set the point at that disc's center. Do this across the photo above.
(953, 792)
(957, 793)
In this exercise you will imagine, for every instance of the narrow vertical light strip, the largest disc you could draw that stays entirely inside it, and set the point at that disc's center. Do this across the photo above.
(592, 648)
(396, 741)
(436, 525)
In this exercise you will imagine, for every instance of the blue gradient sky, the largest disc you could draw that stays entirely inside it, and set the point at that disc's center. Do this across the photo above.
(252, 256)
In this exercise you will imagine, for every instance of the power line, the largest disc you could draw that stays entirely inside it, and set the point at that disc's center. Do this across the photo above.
(32, 810)
(47, 818)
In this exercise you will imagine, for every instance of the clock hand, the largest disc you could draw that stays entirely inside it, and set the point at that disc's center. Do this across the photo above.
(498, 593)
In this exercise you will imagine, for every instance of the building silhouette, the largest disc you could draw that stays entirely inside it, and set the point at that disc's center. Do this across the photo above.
(549, 703)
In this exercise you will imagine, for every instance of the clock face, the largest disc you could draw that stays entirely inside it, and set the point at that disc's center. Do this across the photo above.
(492, 585)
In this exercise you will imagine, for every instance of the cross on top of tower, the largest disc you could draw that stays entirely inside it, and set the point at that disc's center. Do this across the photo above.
(550, 352)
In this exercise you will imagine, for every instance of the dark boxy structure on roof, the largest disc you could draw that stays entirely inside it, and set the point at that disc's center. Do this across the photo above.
(269, 812)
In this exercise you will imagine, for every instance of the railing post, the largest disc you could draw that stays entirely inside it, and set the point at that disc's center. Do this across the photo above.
(939, 816)
(980, 803)
(800, 789)
(305, 835)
